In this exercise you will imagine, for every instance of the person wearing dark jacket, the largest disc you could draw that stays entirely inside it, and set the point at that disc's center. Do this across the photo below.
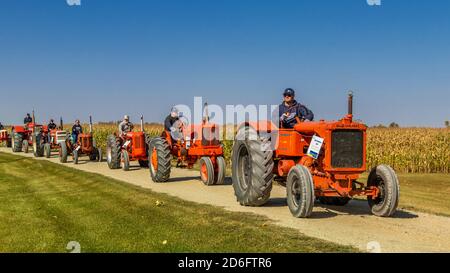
(1, 126)
(171, 119)
(290, 111)
(28, 119)
(76, 130)
(51, 125)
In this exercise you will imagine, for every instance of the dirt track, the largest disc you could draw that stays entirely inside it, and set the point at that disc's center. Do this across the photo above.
(351, 225)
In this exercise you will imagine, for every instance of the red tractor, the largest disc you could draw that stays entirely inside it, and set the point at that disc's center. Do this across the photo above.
(83, 145)
(191, 144)
(53, 139)
(31, 134)
(314, 160)
(122, 149)
(4, 137)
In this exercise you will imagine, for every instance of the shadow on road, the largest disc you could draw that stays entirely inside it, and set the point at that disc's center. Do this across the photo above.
(354, 207)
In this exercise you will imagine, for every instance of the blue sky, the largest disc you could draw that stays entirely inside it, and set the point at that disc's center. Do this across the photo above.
(110, 57)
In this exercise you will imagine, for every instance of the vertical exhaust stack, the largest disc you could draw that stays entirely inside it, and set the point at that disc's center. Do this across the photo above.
(33, 118)
(205, 111)
(90, 124)
(350, 105)
(61, 124)
(142, 123)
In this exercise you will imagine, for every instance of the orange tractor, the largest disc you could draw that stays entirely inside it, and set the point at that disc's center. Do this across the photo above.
(4, 137)
(314, 160)
(83, 145)
(128, 147)
(30, 134)
(53, 139)
(188, 145)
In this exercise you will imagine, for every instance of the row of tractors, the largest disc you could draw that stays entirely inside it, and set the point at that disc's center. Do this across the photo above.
(316, 161)
(43, 141)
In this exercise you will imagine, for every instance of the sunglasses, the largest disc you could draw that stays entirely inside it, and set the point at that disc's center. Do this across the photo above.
(288, 96)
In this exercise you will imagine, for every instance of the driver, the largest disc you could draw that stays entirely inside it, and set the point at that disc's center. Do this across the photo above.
(125, 126)
(173, 117)
(290, 110)
(171, 122)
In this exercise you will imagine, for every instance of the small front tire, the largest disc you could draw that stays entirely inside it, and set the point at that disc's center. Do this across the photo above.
(300, 192)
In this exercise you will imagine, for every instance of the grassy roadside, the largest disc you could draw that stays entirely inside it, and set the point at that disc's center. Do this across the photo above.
(43, 206)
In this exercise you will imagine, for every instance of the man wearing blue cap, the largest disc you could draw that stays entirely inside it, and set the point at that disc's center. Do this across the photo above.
(290, 110)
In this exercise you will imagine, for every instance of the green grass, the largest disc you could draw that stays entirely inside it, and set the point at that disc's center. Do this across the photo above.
(43, 206)
(425, 192)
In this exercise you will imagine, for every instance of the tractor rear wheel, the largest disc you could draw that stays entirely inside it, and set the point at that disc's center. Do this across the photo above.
(384, 178)
(38, 146)
(25, 146)
(300, 191)
(125, 161)
(113, 152)
(220, 172)
(47, 150)
(16, 142)
(75, 156)
(334, 201)
(207, 171)
(63, 152)
(159, 160)
(252, 168)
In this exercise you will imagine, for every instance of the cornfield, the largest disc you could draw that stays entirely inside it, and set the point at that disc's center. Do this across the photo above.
(407, 150)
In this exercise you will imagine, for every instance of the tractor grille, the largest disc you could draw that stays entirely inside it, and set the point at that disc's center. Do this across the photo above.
(347, 149)
(211, 136)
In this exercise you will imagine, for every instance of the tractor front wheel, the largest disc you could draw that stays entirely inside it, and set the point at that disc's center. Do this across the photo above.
(300, 191)
(99, 155)
(25, 146)
(63, 152)
(125, 161)
(8, 143)
(113, 152)
(47, 150)
(159, 160)
(75, 156)
(384, 178)
(221, 170)
(252, 168)
(207, 171)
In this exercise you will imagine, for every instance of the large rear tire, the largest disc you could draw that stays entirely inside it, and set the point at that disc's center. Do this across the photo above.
(159, 160)
(300, 192)
(384, 178)
(38, 145)
(207, 171)
(16, 142)
(113, 152)
(221, 171)
(252, 168)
